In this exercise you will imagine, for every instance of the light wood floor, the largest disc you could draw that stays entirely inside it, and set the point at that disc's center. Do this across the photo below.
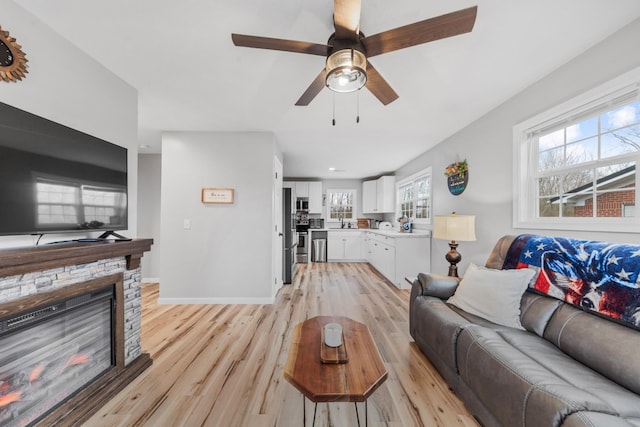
(222, 365)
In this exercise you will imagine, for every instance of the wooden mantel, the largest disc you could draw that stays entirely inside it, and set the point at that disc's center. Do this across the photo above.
(47, 256)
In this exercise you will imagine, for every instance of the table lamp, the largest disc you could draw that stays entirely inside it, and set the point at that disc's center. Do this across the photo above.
(455, 228)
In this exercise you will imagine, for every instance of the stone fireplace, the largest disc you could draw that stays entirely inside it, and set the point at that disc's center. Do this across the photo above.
(70, 319)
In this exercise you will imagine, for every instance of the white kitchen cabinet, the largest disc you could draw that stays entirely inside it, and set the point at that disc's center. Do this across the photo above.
(383, 258)
(378, 196)
(397, 257)
(344, 245)
(386, 194)
(302, 189)
(366, 246)
(315, 197)
(369, 196)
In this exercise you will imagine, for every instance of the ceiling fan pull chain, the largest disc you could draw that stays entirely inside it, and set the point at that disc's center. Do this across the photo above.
(334, 108)
(358, 106)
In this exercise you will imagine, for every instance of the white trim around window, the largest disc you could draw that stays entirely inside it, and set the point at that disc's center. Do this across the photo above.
(554, 155)
(341, 205)
(413, 197)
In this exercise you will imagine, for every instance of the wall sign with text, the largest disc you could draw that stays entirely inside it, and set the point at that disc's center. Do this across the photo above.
(457, 177)
(217, 195)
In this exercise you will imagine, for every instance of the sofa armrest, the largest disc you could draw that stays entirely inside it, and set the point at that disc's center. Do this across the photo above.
(435, 285)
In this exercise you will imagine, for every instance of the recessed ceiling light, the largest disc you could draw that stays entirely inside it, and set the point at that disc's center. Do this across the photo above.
(143, 146)
(332, 169)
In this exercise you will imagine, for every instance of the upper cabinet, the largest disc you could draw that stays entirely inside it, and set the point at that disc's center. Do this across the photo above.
(315, 197)
(310, 190)
(369, 196)
(378, 196)
(386, 194)
(302, 189)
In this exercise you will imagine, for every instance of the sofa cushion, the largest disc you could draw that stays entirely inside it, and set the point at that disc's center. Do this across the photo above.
(493, 294)
(609, 348)
(499, 253)
(573, 373)
(542, 385)
(536, 311)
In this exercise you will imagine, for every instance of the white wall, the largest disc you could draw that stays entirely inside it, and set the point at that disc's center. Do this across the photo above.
(149, 178)
(65, 85)
(488, 147)
(226, 256)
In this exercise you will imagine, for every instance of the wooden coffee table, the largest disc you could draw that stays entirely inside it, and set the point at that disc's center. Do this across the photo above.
(353, 381)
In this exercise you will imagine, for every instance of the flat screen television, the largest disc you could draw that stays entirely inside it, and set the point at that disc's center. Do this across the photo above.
(54, 179)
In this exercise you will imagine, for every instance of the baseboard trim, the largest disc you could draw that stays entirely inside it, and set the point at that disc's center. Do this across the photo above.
(229, 300)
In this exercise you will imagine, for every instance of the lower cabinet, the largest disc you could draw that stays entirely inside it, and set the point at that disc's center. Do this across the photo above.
(398, 257)
(344, 246)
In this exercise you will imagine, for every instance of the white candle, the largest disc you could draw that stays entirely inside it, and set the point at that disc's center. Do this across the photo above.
(333, 334)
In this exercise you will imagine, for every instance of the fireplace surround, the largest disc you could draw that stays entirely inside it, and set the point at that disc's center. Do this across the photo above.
(32, 279)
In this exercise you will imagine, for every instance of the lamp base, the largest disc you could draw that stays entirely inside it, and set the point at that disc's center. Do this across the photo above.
(453, 257)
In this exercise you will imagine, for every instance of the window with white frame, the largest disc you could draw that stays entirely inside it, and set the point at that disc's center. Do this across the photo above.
(414, 197)
(575, 165)
(341, 205)
(61, 202)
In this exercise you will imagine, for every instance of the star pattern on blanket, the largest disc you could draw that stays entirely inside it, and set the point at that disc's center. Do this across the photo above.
(597, 276)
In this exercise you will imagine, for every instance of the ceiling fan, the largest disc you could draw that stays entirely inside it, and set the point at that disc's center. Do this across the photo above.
(348, 50)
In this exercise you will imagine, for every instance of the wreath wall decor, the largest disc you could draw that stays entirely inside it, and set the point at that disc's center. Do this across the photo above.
(457, 177)
(13, 62)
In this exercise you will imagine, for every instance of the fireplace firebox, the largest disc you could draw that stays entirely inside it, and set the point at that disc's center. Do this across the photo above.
(50, 352)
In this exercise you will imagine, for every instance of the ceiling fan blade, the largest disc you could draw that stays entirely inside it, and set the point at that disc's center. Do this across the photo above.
(313, 90)
(279, 44)
(346, 19)
(379, 86)
(437, 28)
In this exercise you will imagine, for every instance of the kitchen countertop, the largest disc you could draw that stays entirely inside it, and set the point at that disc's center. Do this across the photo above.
(386, 232)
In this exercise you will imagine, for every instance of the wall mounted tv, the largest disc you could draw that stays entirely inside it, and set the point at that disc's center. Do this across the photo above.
(54, 179)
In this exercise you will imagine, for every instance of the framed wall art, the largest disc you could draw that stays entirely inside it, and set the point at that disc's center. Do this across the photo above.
(218, 195)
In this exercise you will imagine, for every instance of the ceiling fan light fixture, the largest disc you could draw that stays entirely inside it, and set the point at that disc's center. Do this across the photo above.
(346, 70)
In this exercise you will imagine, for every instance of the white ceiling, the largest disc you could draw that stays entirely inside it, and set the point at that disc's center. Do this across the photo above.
(179, 56)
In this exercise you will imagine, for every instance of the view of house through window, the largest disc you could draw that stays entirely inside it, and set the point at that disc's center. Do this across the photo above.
(414, 197)
(341, 204)
(588, 168)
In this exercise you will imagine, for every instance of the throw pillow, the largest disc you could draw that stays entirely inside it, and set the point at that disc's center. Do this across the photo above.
(492, 294)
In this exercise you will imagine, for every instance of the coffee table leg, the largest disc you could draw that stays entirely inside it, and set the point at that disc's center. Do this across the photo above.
(366, 413)
(357, 414)
(304, 412)
(315, 408)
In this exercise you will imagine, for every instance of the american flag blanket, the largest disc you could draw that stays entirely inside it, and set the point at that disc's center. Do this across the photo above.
(596, 276)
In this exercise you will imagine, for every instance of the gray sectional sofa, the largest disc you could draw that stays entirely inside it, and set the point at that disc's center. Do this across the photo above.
(569, 366)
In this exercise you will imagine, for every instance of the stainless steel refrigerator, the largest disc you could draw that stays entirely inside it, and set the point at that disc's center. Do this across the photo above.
(290, 240)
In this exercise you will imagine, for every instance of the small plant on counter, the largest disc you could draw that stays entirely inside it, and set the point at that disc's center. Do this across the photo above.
(457, 168)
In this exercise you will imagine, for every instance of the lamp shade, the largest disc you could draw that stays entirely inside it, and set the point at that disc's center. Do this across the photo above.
(346, 70)
(455, 227)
